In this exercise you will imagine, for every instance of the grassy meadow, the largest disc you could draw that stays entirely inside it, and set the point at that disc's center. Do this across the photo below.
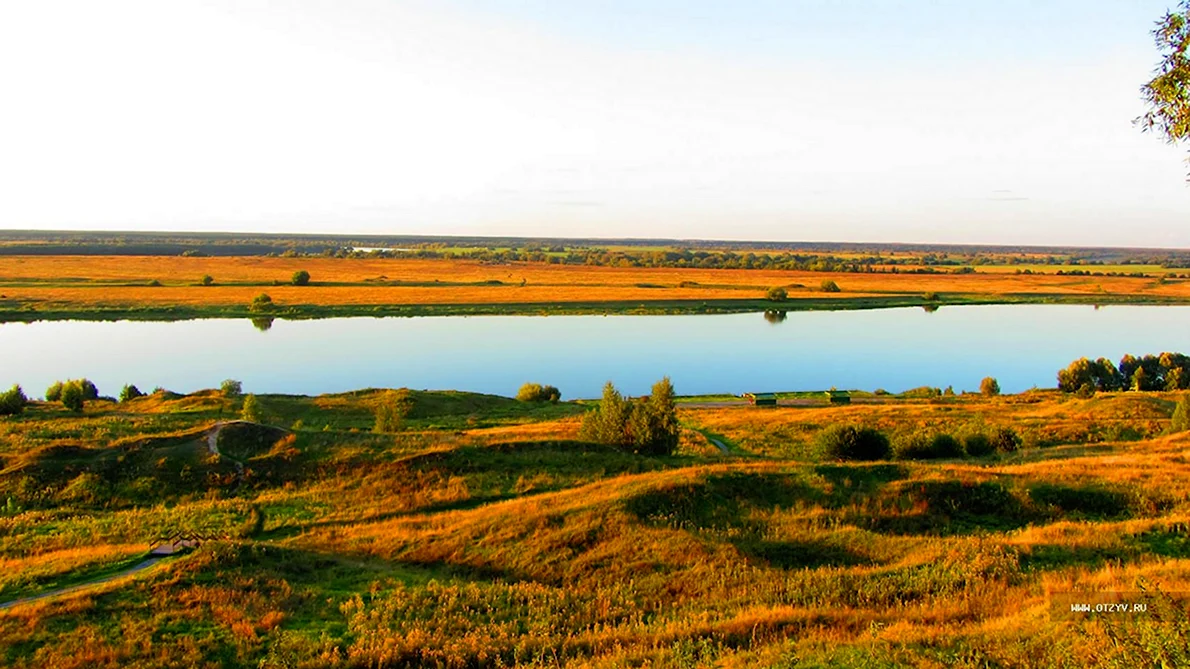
(481, 531)
(168, 287)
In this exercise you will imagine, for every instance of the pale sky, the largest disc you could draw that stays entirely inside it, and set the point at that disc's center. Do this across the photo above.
(848, 120)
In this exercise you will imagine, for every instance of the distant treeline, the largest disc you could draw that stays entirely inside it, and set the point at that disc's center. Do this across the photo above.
(1168, 371)
(844, 256)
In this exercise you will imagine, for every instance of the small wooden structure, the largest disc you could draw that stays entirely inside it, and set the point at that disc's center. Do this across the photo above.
(762, 399)
(178, 542)
(838, 396)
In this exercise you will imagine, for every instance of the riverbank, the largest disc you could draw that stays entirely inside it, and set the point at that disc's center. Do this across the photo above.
(28, 312)
(162, 288)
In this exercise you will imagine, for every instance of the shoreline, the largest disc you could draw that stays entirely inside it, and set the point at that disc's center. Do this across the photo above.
(27, 313)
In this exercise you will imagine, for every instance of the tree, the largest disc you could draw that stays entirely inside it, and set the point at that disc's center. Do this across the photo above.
(1180, 421)
(608, 422)
(231, 388)
(1168, 93)
(392, 410)
(130, 392)
(54, 392)
(72, 396)
(989, 387)
(208, 280)
(251, 409)
(300, 278)
(828, 286)
(535, 392)
(777, 294)
(261, 302)
(647, 426)
(13, 401)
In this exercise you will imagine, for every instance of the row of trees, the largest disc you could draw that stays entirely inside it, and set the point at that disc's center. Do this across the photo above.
(647, 425)
(1168, 371)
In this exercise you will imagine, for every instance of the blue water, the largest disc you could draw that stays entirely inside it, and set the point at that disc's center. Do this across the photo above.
(895, 349)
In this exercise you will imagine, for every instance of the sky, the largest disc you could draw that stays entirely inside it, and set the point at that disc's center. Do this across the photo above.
(819, 120)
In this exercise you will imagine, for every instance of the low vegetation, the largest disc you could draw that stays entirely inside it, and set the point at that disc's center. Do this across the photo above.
(489, 531)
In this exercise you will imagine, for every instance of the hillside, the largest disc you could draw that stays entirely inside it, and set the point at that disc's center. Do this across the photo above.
(484, 533)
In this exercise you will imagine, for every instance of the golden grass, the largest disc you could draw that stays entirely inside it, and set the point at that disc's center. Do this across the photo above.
(543, 283)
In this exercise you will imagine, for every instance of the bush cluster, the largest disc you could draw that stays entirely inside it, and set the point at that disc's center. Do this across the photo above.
(852, 442)
(972, 441)
(13, 401)
(648, 426)
(72, 393)
(535, 392)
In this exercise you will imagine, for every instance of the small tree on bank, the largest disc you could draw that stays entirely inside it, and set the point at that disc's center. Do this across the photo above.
(646, 426)
(130, 392)
(261, 303)
(231, 388)
(777, 294)
(989, 387)
(829, 286)
(392, 410)
(300, 278)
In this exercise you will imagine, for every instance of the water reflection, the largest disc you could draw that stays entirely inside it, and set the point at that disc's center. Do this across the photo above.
(897, 349)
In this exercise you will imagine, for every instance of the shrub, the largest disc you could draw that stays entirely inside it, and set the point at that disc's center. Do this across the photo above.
(72, 396)
(300, 278)
(231, 388)
(54, 392)
(989, 387)
(927, 446)
(392, 410)
(851, 442)
(829, 286)
(647, 426)
(13, 401)
(261, 302)
(1180, 421)
(130, 392)
(208, 280)
(930, 297)
(535, 392)
(978, 444)
(1005, 439)
(777, 294)
(251, 409)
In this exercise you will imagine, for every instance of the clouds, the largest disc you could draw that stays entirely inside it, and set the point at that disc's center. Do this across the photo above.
(405, 117)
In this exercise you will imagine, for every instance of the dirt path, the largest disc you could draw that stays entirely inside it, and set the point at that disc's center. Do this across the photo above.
(83, 586)
(213, 447)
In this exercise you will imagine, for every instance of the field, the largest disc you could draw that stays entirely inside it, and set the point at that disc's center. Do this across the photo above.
(483, 532)
(171, 287)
